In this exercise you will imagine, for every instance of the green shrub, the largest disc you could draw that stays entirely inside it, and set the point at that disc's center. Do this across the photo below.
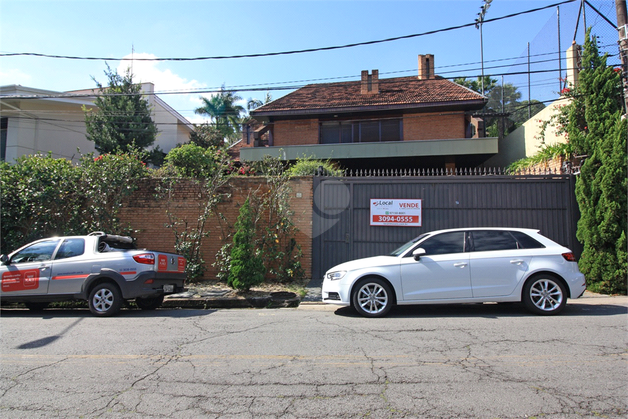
(43, 196)
(106, 181)
(247, 267)
(191, 160)
(40, 198)
(311, 167)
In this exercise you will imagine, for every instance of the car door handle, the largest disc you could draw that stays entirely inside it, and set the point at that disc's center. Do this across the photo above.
(460, 264)
(43, 268)
(516, 261)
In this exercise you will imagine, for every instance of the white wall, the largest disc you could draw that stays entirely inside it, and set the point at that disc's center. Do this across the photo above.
(57, 125)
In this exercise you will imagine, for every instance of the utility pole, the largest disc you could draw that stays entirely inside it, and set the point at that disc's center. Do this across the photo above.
(622, 21)
(478, 25)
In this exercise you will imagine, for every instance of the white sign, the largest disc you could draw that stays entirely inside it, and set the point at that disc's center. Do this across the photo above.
(396, 212)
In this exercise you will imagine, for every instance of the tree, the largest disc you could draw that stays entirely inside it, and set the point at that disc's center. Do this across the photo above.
(247, 266)
(122, 121)
(505, 99)
(207, 135)
(224, 113)
(253, 104)
(476, 85)
(596, 129)
(498, 103)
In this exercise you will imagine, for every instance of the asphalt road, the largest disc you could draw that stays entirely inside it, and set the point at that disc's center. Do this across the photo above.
(484, 361)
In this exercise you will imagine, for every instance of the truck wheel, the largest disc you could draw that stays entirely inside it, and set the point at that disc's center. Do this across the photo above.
(149, 303)
(105, 300)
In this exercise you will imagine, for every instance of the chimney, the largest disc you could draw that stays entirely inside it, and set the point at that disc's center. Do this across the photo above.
(426, 67)
(573, 65)
(370, 82)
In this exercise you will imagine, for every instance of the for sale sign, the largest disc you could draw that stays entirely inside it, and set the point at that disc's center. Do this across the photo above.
(396, 212)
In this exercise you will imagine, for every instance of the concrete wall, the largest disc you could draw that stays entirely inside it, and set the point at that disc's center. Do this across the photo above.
(57, 125)
(44, 126)
(526, 140)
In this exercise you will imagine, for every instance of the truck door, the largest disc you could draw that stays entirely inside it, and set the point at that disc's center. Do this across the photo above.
(28, 271)
(70, 267)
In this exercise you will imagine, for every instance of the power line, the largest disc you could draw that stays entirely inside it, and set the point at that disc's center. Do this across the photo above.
(292, 52)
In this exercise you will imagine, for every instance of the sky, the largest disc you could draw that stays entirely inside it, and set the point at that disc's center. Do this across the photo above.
(115, 29)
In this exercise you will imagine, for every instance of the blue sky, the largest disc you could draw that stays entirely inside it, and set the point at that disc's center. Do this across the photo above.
(202, 28)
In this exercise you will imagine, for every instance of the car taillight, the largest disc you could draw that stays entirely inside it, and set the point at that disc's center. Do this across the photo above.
(569, 257)
(145, 258)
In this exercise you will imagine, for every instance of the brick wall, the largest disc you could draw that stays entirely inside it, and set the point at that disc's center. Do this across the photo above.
(295, 132)
(147, 214)
(433, 126)
(422, 126)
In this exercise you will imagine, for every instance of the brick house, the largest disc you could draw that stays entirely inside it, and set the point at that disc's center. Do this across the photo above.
(403, 122)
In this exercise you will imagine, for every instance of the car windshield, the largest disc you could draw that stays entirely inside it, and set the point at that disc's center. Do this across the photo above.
(406, 246)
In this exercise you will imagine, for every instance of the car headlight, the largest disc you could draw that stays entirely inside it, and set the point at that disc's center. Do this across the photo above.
(333, 276)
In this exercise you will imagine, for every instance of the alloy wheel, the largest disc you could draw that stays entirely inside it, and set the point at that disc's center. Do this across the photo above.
(546, 295)
(373, 298)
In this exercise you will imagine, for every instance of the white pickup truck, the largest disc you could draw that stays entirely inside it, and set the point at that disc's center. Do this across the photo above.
(101, 268)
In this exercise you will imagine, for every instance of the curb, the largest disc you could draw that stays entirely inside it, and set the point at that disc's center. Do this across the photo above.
(274, 300)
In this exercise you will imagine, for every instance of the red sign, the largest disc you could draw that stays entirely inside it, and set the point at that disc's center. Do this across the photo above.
(20, 280)
(396, 219)
(396, 212)
(163, 263)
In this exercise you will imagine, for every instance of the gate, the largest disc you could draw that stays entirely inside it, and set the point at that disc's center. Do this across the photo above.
(342, 231)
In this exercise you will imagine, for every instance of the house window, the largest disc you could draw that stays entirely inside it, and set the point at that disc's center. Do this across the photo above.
(367, 131)
(335, 132)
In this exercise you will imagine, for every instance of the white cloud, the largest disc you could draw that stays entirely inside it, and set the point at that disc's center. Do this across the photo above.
(166, 81)
(10, 76)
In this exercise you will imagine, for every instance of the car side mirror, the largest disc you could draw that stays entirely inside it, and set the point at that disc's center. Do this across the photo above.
(4, 259)
(418, 253)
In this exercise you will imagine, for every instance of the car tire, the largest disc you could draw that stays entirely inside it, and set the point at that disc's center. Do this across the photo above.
(372, 297)
(36, 306)
(105, 300)
(149, 303)
(544, 294)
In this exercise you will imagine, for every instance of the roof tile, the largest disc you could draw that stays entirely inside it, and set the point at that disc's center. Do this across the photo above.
(393, 91)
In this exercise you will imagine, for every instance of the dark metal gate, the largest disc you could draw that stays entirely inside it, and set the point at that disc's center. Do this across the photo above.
(342, 231)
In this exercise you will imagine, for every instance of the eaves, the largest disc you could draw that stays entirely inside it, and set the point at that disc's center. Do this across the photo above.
(427, 107)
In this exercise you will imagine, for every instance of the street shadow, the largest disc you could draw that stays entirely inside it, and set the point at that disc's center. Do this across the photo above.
(81, 314)
(38, 343)
(84, 312)
(489, 310)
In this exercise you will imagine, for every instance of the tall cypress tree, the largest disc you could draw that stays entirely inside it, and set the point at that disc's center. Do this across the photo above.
(123, 119)
(247, 267)
(596, 129)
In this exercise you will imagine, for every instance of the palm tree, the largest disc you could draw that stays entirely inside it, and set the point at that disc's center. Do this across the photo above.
(224, 112)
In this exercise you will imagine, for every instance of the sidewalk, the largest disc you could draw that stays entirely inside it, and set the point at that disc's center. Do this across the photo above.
(224, 297)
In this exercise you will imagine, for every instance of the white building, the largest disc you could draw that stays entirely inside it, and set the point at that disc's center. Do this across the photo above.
(40, 121)
(528, 139)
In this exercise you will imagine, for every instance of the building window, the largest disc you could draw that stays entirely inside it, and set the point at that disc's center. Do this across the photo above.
(335, 132)
(367, 131)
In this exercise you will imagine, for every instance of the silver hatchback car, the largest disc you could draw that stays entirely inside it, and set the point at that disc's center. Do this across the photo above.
(466, 265)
